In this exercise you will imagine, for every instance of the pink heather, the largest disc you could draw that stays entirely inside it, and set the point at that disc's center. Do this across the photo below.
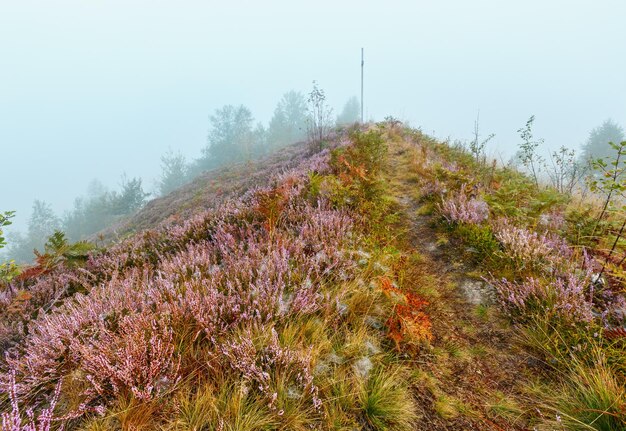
(460, 208)
(217, 273)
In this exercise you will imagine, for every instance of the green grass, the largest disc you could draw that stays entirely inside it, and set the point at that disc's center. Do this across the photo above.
(588, 398)
(386, 401)
(505, 407)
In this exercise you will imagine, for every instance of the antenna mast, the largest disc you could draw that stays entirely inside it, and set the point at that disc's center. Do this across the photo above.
(362, 64)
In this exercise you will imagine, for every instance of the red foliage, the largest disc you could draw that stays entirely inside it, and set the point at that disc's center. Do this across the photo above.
(351, 171)
(42, 266)
(408, 322)
(271, 204)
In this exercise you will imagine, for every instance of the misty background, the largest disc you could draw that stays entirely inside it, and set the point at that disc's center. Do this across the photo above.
(93, 90)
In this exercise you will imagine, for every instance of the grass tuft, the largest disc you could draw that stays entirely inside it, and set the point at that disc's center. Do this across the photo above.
(386, 402)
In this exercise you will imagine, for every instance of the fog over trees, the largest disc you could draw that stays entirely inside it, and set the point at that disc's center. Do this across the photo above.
(90, 92)
(596, 146)
(232, 138)
(174, 171)
(351, 112)
(288, 124)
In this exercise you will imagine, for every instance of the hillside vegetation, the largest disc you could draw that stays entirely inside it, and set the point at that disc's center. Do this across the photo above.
(207, 191)
(386, 282)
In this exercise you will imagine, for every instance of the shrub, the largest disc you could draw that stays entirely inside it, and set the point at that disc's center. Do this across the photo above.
(527, 152)
(271, 368)
(5, 220)
(358, 166)
(567, 298)
(461, 208)
(528, 249)
(319, 120)
(479, 239)
(8, 270)
(552, 221)
(369, 150)
(581, 226)
(133, 355)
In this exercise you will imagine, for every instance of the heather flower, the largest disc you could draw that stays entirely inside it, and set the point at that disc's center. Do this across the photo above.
(460, 208)
(138, 358)
(120, 334)
(568, 297)
(216, 275)
(149, 247)
(12, 421)
(434, 187)
(450, 166)
(551, 221)
(267, 366)
(530, 248)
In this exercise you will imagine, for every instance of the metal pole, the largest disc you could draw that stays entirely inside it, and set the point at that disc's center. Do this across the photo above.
(362, 63)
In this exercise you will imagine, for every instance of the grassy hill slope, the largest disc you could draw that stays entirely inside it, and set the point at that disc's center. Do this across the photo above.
(391, 283)
(209, 190)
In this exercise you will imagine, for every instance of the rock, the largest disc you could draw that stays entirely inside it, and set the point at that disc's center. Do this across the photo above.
(477, 292)
(373, 322)
(363, 366)
(321, 368)
(293, 393)
(334, 358)
(431, 247)
(371, 348)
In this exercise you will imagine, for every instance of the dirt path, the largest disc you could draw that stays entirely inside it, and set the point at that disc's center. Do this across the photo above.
(471, 378)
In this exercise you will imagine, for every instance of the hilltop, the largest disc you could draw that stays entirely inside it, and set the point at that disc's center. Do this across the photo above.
(208, 191)
(387, 282)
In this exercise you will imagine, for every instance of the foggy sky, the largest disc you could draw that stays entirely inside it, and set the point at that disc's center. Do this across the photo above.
(94, 88)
